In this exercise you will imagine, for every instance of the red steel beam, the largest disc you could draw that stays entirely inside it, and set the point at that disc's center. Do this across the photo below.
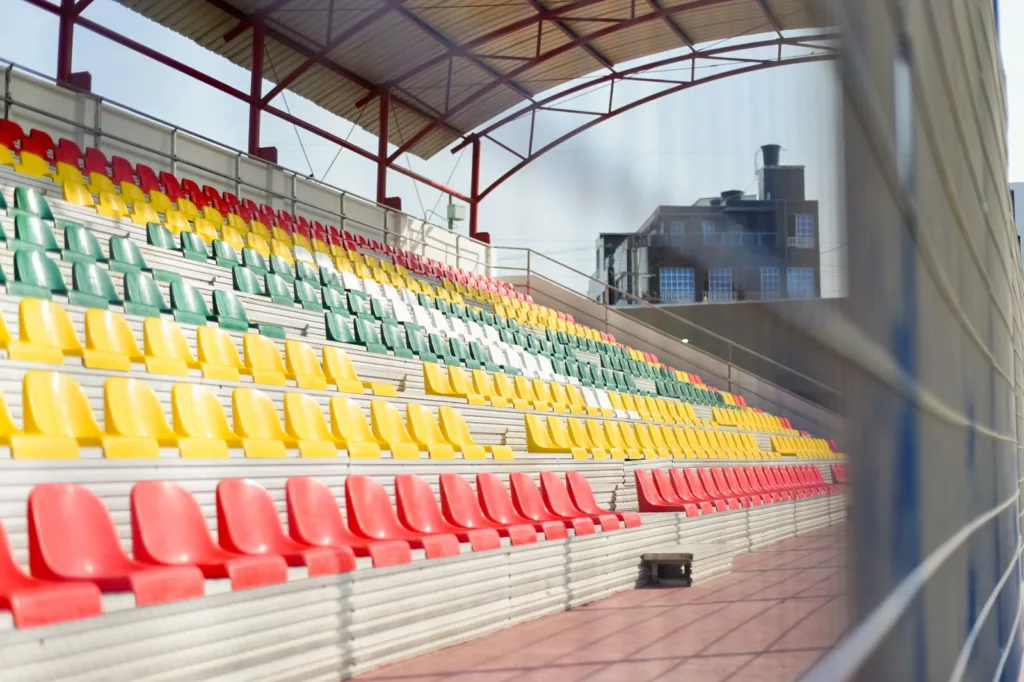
(384, 124)
(640, 102)
(673, 25)
(65, 39)
(256, 17)
(770, 15)
(573, 35)
(551, 54)
(81, 6)
(255, 87)
(474, 191)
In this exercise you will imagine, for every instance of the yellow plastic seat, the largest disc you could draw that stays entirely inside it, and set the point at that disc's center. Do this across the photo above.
(45, 333)
(112, 205)
(135, 423)
(187, 209)
(8, 428)
(538, 439)
(260, 230)
(435, 382)
(524, 391)
(560, 399)
(6, 157)
(160, 202)
(320, 246)
(67, 173)
(143, 214)
(677, 447)
(504, 388)
(280, 234)
(166, 349)
(258, 424)
(176, 222)
(425, 430)
(236, 223)
(213, 215)
(280, 248)
(58, 418)
(109, 342)
(205, 229)
(543, 393)
(257, 243)
(456, 431)
(303, 365)
(484, 386)
(263, 360)
(306, 425)
(577, 405)
(98, 182)
(581, 439)
(661, 444)
(200, 422)
(460, 385)
(218, 355)
(233, 238)
(132, 193)
(613, 434)
(389, 428)
(559, 435)
(341, 372)
(78, 195)
(646, 442)
(35, 166)
(351, 431)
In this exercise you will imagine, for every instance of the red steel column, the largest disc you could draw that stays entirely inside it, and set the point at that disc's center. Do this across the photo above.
(256, 89)
(474, 189)
(382, 146)
(65, 40)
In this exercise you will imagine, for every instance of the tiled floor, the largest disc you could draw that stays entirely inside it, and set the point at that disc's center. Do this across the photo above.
(776, 614)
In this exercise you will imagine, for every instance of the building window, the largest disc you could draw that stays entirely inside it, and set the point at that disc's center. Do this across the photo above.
(676, 233)
(769, 283)
(800, 282)
(708, 228)
(720, 284)
(676, 285)
(804, 238)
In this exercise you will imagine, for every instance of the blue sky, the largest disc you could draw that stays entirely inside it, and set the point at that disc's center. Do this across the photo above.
(673, 151)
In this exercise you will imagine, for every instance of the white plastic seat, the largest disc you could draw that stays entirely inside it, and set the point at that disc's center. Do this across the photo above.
(322, 260)
(476, 332)
(350, 281)
(590, 397)
(606, 403)
(303, 254)
(491, 334)
(548, 370)
(439, 320)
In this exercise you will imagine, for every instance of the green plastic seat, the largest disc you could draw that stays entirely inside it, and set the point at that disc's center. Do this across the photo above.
(3, 204)
(440, 348)
(80, 244)
(500, 321)
(394, 338)
(282, 268)
(30, 232)
(91, 286)
(32, 202)
(335, 301)
(125, 256)
(253, 260)
(142, 296)
(159, 236)
(366, 335)
(443, 306)
(380, 310)
(426, 301)
(479, 353)
(458, 310)
(329, 279)
(487, 318)
(306, 272)
(228, 311)
(338, 328)
(308, 296)
(188, 305)
(462, 353)
(359, 304)
(193, 247)
(247, 281)
(474, 314)
(36, 276)
(418, 344)
(224, 254)
(630, 384)
(278, 290)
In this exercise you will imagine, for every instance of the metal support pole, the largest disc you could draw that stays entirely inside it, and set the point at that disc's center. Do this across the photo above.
(256, 89)
(65, 40)
(382, 146)
(474, 191)
(174, 151)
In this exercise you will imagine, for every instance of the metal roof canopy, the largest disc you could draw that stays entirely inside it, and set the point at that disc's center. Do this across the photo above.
(440, 71)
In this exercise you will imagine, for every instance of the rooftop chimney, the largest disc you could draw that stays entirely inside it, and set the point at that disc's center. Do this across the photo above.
(771, 154)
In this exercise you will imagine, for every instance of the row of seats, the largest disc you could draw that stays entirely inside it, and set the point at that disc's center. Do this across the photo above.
(58, 420)
(839, 474)
(700, 491)
(74, 551)
(598, 439)
(803, 447)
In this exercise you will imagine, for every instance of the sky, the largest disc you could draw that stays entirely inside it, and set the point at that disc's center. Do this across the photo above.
(609, 179)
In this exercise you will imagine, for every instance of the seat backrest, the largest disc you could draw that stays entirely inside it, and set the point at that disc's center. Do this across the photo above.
(197, 413)
(262, 354)
(45, 323)
(556, 495)
(526, 496)
(33, 230)
(388, 425)
(246, 281)
(304, 419)
(216, 347)
(369, 510)
(247, 519)
(132, 409)
(313, 513)
(92, 279)
(646, 489)
(494, 499)
(256, 417)
(54, 404)
(581, 493)
(423, 427)
(663, 483)
(348, 421)
(417, 506)
(187, 298)
(300, 359)
(696, 484)
(107, 331)
(71, 534)
(164, 339)
(168, 526)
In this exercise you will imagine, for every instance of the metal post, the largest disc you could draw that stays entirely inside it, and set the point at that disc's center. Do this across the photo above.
(65, 40)
(174, 151)
(382, 146)
(8, 72)
(238, 174)
(474, 190)
(256, 89)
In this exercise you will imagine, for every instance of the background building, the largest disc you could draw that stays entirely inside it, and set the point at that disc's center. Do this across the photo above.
(727, 248)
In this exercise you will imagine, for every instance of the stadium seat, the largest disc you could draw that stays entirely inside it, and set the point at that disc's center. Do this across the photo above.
(143, 296)
(304, 423)
(371, 515)
(32, 202)
(649, 499)
(166, 349)
(682, 489)
(45, 333)
(302, 364)
(314, 518)
(134, 420)
(391, 431)
(498, 506)
(218, 355)
(342, 373)
(456, 431)
(669, 493)
(461, 507)
(557, 499)
(193, 247)
(263, 360)
(247, 523)
(109, 342)
(700, 494)
(426, 432)
(72, 537)
(31, 232)
(200, 422)
(80, 244)
(188, 305)
(583, 497)
(726, 490)
(712, 489)
(418, 510)
(350, 428)
(529, 502)
(168, 529)
(258, 425)
(57, 418)
(92, 287)
(32, 165)
(6, 158)
(34, 602)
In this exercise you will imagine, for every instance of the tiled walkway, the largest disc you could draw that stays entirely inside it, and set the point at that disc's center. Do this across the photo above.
(777, 613)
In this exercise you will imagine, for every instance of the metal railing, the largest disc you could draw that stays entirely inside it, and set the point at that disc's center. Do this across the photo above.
(800, 242)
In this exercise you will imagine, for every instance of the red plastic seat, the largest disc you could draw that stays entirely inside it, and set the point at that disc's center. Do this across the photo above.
(497, 505)
(667, 489)
(371, 515)
(171, 186)
(737, 487)
(212, 193)
(192, 192)
(779, 473)
(583, 497)
(315, 519)
(650, 500)
(777, 484)
(42, 137)
(10, 133)
(122, 170)
(529, 502)
(461, 508)
(685, 494)
(696, 485)
(247, 522)
(712, 489)
(230, 199)
(556, 497)
(68, 152)
(418, 511)
(35, 602)
(36, 146)
(747, 478)
(72, 537)
(724, 487)
(770, 485)
(168, 529)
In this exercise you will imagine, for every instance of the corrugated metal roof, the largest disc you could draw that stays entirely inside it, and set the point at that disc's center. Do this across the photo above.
(462, 62)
